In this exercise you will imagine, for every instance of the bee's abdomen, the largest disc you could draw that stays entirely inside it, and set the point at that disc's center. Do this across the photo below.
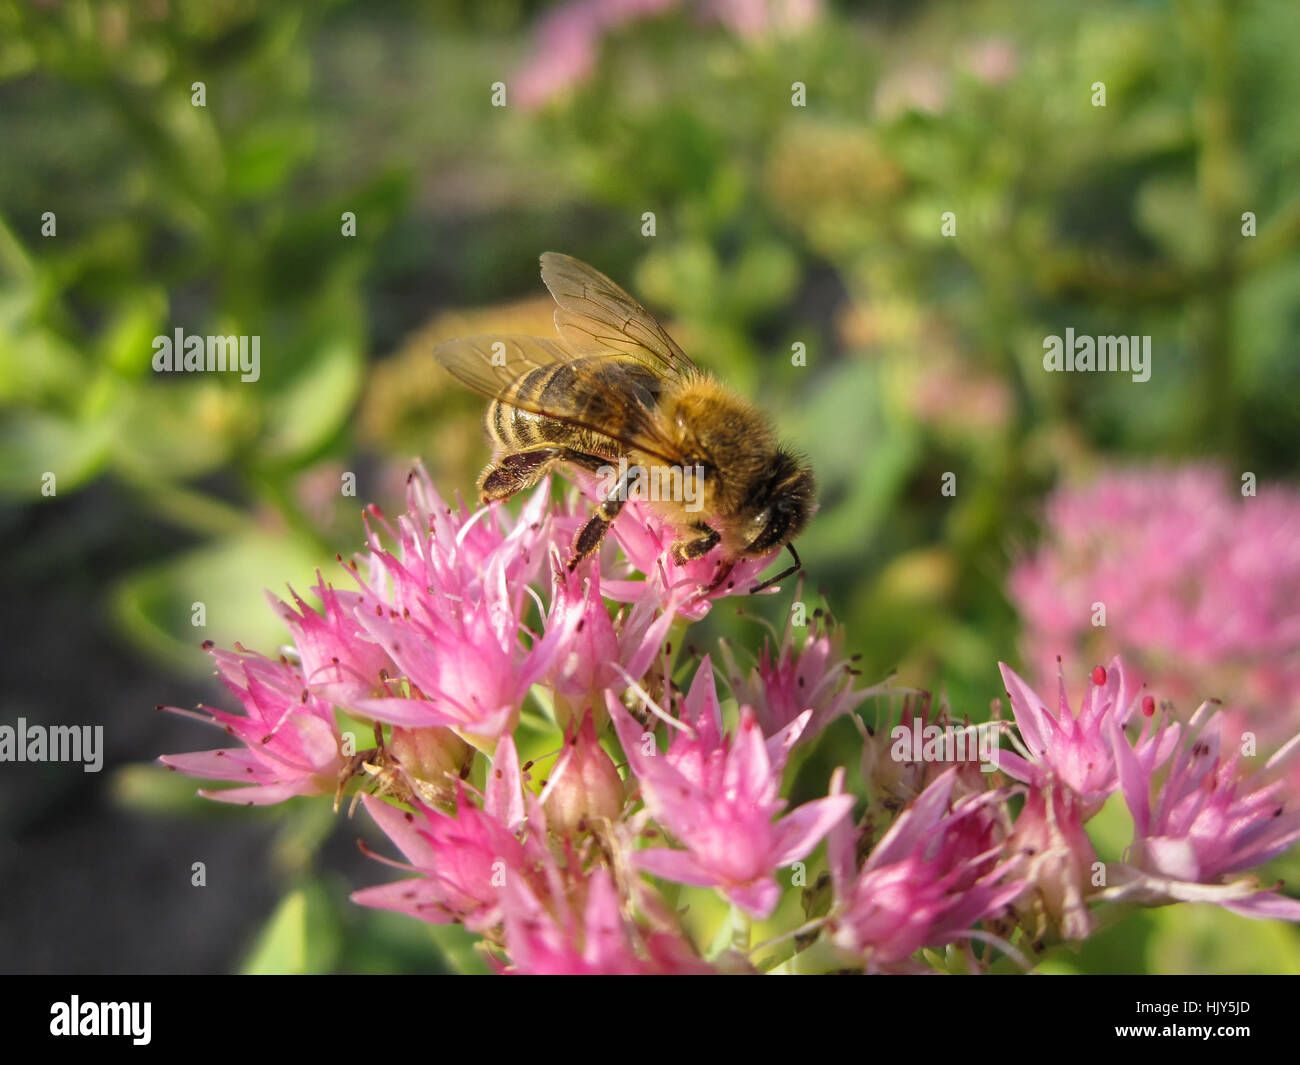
(560, 389)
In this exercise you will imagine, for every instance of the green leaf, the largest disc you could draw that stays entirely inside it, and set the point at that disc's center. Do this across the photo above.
(262, 159)
(37, 366)
(732, 934)
(180, 430)
(1208, 939)
(127, 342)
(303, 416)
(155, 606)
(155, 788)
(302, 936)
(1111, 828)
(34, 445)
(457, 945)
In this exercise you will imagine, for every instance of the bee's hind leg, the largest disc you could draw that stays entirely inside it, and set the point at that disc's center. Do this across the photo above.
(514, 472)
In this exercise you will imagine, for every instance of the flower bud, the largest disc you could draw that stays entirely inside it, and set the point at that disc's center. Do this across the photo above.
(584, 786)
(429, 754)
(1055, 855)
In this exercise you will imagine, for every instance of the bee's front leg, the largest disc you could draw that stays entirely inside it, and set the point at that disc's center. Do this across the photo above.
(591, 534)
(685, 551)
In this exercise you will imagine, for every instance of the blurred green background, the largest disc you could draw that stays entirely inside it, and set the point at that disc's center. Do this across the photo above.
(775, 225)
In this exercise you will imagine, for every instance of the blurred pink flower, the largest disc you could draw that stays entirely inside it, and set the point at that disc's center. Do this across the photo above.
(1209, 819)
(596, 940)
(759, 18)
(568, 39)
(1200, 588)
(951, 395)
(993, 59)
(915, 86)
(291, 739)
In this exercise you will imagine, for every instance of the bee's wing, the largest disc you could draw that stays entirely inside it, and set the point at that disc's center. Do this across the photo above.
(618, 403)
(596, 316)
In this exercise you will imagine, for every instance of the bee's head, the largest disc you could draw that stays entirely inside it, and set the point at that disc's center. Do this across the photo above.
(781, 505)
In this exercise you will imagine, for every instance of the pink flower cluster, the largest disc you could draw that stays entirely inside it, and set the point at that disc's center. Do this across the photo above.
(1192, 576)
(457, 624)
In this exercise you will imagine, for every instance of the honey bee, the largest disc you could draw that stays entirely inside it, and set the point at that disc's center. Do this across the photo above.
(615, 388)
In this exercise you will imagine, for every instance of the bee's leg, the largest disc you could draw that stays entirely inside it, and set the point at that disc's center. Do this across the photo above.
(685, 551)
(515, 472)
(591, 534)
(798, 565)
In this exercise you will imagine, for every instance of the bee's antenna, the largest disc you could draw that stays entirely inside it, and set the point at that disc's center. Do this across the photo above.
(798, 565)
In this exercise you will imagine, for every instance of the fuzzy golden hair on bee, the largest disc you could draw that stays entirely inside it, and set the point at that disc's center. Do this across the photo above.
(614, 387)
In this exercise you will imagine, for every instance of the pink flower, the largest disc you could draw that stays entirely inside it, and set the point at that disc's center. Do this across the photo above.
(1200, 586)
(448, 610)
(814, 677)
(339, 663)
(292, 742)
(934, 875)
(1209, 819)
(591, 939)
(599, 653)
(895, 766)
(915, 86)
(688, 590)
(699, 749)
(464, 860)
(1077, 749)
(718, 797)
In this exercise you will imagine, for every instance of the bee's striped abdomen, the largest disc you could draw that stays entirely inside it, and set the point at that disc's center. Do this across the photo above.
(585, 390)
